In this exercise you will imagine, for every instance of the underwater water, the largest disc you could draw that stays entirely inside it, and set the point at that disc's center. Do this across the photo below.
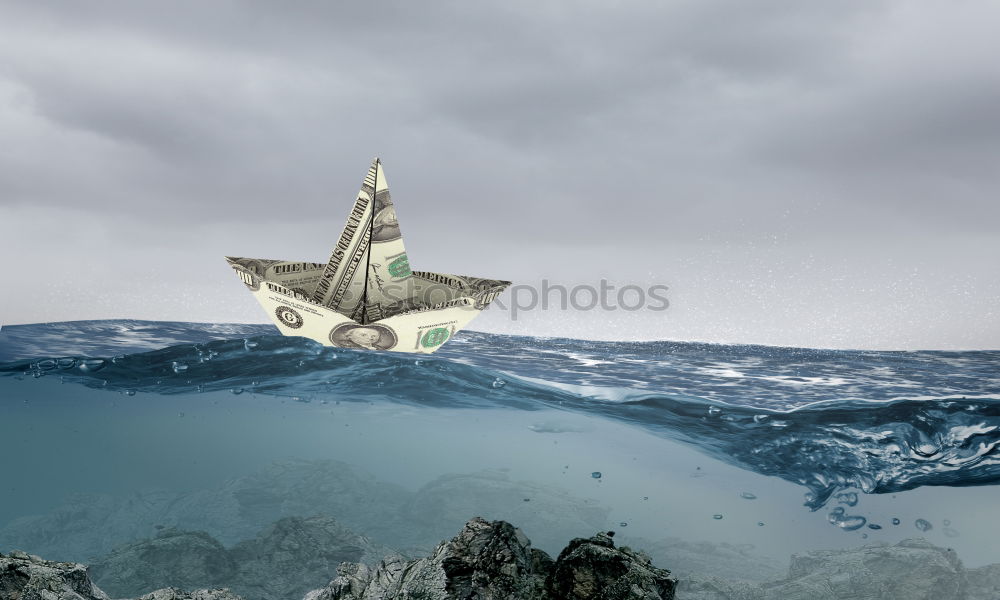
(711, 457)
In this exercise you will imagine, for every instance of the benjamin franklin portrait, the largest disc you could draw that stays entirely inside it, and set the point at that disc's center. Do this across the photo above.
(364, 337)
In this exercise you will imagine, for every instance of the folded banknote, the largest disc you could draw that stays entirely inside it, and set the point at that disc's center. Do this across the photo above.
(366, 296)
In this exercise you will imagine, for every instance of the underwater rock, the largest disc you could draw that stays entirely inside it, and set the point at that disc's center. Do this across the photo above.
(28, 577)
(174, 558)
(913, 569)
(495, 560)
(287, 559)
(294, 555)
(984, 583)
(594, 568)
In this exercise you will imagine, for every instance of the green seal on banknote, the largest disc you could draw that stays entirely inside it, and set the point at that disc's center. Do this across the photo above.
(400, 267)
(435, 337)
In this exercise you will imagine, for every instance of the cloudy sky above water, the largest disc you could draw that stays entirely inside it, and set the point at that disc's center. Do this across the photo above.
(816, 174)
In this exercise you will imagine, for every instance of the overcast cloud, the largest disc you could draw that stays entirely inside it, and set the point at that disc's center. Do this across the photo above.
(821, 174)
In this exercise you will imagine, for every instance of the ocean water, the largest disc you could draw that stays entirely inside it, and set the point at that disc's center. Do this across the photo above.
(710, 456)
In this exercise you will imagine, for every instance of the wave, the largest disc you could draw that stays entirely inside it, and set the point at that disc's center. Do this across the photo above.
(881, 445)
(745, 375)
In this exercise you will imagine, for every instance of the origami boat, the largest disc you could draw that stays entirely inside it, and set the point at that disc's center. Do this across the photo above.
(366, 296)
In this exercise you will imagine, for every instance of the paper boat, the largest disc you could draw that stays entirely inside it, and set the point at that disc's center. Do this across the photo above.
(366, 296)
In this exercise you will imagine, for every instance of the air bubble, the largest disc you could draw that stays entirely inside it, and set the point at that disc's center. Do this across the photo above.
(852, 523)
(895, 521)
(714, 411)
(946, 522)
(498, 383)
(923, 525)
(129, 392)
(717, 517)
(90, 365)
(848, 498)
(926, 449)
(760, 418)
(46, 365)
(760, 523)
(846, 522)
(236, 391)
(250, 344)
(748, 496)
(874, 526)
(66, 363)
(623, 524)
(179, 367)
(596, 474)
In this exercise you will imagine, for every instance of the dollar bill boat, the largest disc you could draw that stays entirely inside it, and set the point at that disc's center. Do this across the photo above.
(366, 296)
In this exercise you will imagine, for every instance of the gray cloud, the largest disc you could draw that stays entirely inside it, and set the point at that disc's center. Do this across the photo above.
(641, 129)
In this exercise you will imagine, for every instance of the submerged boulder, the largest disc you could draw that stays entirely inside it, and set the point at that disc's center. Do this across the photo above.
(984, 582)
(179, 559)
(594, 568)
(294, 555)
(27, 577)
(913, 569)
(494, 561)
(285, 560)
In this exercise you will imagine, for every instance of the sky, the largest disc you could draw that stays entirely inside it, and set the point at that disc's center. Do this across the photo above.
(820, 174)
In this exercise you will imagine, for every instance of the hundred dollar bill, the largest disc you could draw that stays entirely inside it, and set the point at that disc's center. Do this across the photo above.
(366, 296)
